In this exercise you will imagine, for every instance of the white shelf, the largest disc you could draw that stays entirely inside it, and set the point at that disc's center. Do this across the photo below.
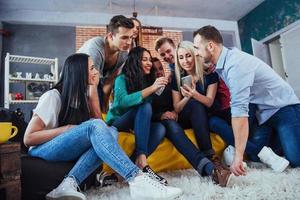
(30, 79)
(23, 101)
(31, 60)
(52, 63)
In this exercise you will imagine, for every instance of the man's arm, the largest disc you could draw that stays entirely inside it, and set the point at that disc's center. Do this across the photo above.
(240, 78)
(240, 130)
(94, 102)
(107, 88)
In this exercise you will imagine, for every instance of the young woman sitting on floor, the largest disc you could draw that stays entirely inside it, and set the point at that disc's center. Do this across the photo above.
(67, 125)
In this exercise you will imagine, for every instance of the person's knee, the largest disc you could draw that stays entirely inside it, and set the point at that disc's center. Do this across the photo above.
(95, 124)
(174, 129)
(146, 108)
(194, 102)
(197, 107)
(214, 122)
(160, 131)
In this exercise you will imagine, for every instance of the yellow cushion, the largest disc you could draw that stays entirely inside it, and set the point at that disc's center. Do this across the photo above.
(166, 157)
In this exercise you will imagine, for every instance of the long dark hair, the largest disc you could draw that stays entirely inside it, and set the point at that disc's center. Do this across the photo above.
(72, 86)
(134, 75)
(138, 40)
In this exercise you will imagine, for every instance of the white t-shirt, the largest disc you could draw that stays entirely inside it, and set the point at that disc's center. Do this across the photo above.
(48, 108)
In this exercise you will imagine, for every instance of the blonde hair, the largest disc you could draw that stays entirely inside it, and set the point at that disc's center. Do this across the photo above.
(199, 68)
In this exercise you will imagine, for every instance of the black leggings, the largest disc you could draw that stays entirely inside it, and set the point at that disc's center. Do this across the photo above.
(194, 115)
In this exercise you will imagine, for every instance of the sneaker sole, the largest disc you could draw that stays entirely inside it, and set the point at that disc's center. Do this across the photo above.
(166, 198)
(282, 167)
(65, 198)
(228, 180)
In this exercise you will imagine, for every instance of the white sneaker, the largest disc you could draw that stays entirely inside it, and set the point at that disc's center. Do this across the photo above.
(228, 156)
(66, 190)
(144, 187)
(277, 163)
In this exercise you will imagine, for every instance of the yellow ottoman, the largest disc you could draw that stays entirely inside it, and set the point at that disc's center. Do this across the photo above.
(166, 157)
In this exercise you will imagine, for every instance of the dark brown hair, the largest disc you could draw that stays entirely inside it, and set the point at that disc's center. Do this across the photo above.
(134, 76)
(159, 42)
(154, 59)
(119, 21)
(209, 33)
(139, 39)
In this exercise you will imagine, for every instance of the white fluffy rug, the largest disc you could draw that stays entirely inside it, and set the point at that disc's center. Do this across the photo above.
(261, 183)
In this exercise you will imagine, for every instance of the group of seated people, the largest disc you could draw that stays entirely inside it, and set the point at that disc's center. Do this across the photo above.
(206, 87)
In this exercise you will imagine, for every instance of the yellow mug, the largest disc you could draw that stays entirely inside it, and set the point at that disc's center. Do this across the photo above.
(5, 131)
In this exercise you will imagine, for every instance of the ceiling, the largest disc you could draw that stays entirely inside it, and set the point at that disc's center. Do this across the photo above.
(209, 9)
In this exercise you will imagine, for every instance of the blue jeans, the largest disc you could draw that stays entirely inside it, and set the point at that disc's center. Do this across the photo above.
(258, 137)
(90, 143)
(183, 144)
(286, 124)
(222, 128)
(147, 135)
(194, 115)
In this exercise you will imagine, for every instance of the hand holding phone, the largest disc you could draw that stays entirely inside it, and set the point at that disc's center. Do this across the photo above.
(160, 84)
(187, 80)
(160, 90)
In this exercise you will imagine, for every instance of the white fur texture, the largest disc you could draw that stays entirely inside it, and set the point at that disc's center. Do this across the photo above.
(261, 183)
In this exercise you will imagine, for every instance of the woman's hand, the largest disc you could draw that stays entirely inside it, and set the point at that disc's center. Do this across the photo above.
(169, 115)
(184, 93)
(159, 82)
(187, 91)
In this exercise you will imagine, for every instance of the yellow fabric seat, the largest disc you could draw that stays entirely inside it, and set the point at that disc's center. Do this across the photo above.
(166, 157)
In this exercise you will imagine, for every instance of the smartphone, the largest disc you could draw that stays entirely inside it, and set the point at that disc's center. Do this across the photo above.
(187, 80)
(160, 90)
